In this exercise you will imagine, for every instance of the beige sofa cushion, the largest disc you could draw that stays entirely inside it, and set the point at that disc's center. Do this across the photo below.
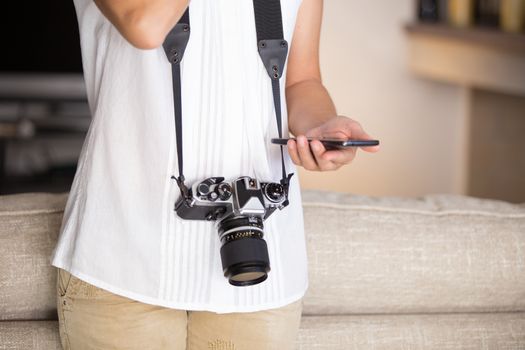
(29, 225)
(367, 255)
(434, 254)
(429, 332)
(34, 335)
(363, 332)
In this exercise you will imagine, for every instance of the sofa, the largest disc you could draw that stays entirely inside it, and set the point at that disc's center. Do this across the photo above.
(438, 272)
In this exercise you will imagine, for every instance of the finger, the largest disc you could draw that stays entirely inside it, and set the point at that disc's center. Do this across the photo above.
(305, 154)
(344, 128)
(318, 150)
(371, 149)
(360, 134)
(292, 150)
(341, 156)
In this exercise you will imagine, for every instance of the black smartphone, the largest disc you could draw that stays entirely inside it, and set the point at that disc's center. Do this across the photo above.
(331, 144)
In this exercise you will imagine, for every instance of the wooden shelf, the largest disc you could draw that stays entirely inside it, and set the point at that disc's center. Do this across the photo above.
(481, 58)
(475, 35)
(490, 65)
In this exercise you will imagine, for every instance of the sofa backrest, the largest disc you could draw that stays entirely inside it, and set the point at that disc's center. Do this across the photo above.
(29, 225)
(366, 255)
(440, 253)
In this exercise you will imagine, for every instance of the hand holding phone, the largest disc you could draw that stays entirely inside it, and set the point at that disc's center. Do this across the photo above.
(342, 137)
(332, 144)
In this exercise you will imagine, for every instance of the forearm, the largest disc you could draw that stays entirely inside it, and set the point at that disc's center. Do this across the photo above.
(309, 105)
(143, 23)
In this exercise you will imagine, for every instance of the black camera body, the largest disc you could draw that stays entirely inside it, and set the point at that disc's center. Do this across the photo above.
(214, 199)
(239, 208)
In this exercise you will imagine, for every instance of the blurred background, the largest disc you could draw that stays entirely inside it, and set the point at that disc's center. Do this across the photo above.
(440, 82)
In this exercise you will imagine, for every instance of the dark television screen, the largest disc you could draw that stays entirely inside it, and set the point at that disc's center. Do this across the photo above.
(39, 37)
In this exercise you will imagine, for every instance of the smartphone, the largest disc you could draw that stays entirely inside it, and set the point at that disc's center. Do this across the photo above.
(332, 144)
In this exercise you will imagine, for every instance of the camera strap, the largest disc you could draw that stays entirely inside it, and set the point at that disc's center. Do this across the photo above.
(273, 50)
(175, 46)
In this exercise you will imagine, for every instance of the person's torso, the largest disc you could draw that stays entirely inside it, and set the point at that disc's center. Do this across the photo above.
(119, 227)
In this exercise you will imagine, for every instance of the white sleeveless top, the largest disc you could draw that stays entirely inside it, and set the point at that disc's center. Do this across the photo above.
(119, 230)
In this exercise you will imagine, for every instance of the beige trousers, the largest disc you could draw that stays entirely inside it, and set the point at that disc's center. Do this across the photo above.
(93, 318)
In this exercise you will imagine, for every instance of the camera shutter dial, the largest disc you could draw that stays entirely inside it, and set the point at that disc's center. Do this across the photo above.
(225, 191)
(203, 189)
(274, 192)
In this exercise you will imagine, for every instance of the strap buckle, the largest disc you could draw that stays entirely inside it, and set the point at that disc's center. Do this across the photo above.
(285, 182)
(184, 190)
(273, 54)
(176, 42)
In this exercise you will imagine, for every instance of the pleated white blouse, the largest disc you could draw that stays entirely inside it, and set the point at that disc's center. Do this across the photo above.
(119, 230)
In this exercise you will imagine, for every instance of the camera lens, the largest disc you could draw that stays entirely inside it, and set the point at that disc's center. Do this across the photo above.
(244, 252)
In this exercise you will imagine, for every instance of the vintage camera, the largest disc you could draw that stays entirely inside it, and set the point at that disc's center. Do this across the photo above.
(239, 208)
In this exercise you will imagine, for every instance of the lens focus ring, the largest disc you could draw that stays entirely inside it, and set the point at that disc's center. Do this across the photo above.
(244, 253)
(240, 227)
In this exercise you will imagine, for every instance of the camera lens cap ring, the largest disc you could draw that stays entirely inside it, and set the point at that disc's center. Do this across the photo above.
(245, 262)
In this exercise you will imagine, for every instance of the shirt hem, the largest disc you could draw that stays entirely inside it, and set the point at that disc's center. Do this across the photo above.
(182, 305)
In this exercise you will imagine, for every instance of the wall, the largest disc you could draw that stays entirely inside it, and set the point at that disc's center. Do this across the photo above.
(498, 151)
(420, 123)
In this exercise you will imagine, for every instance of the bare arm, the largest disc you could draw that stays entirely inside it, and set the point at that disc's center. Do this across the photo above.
(311, 111)
(144, 23)
(309, 104)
